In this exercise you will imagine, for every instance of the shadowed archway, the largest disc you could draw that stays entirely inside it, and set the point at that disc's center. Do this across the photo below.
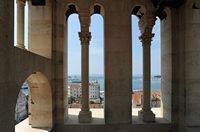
(39, 101)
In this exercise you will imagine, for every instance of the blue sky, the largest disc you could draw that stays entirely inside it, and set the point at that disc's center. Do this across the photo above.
(137, 49)
(97, 45)
(95, 48)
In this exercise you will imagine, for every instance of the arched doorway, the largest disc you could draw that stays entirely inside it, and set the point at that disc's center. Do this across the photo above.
(39, 102)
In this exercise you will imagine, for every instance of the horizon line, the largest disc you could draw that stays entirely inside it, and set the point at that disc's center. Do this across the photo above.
(103, 75)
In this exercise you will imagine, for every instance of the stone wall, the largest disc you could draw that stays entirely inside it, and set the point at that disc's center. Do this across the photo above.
(166, 65)
(40, 29)
(180, 67)
(16, 66)
(192, 65)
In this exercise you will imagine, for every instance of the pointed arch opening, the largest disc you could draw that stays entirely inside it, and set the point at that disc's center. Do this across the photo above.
(34, 104)
(72, 65)
(137, 66)
(96, 63)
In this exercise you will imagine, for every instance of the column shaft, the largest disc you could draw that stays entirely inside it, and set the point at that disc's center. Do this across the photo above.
(85, 115)
(146, 76)
(146, 114)
(85, 76)
(20, 24)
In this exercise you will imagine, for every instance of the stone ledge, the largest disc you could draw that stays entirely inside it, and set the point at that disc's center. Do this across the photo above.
(98, 117)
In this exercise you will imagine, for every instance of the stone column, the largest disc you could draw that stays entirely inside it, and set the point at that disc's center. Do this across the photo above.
(85, 115)
(20, 23)
(146, 114)
(65, 71)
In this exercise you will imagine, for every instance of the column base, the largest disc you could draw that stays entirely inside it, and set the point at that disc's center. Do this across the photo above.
(85, 116)
(146, 116)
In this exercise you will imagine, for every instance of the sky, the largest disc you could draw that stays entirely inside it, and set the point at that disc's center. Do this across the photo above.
(96, 55)
(96, 48)
(137, 49)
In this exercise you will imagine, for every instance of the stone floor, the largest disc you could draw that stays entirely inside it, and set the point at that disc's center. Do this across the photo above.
(97, 116)
(25, 127)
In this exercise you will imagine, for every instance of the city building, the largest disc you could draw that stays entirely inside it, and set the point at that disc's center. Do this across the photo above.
(94, 90)
(74, 90)
(137, 99)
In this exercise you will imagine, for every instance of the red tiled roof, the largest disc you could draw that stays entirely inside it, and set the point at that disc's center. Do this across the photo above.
(157, 92)
(74, 86)
(136, 96)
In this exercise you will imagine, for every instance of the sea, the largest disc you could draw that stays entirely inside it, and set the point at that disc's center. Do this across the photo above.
(136, 83)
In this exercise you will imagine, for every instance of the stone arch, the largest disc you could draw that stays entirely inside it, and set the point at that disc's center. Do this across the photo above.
(193, 4)
(71, 9)
(168, 12)
(40, 101)
(138, 10)
(97, 8)
(97, 12)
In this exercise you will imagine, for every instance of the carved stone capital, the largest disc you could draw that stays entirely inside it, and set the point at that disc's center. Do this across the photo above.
(85, 37)
(147, 21)
(146, 25)
(147, 36)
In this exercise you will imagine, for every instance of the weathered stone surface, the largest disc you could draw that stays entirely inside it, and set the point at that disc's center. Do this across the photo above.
(180, 66)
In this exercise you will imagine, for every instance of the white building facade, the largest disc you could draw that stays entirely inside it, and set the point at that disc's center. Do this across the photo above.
(94, 90)
(75, 90)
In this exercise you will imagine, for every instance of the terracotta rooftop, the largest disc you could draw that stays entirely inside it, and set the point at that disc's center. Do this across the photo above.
(136, 96)
(74, 86)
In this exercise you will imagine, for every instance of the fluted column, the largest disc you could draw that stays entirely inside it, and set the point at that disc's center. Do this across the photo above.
(85, 115)
(20, 23)
(146, 114)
